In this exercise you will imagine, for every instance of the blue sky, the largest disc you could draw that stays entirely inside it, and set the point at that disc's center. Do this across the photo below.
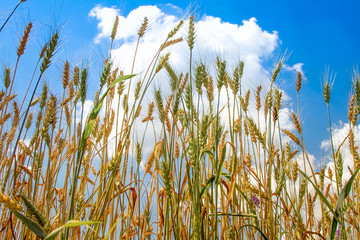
(319, 34)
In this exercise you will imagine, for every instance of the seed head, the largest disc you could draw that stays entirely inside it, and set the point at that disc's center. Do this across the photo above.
(138, 153)
(328, 82)
(50, 113)
(16, 114)
(44, 96)
(137, 89)
(170, 42)
(166, 178)
(83, 85)
(21, 48)
(66, 74)
(10, 203)
(302, 191)
(173, 78)
(298, 82)
(257, 97)
(76, 76)
(221, 65)
(29, 120)
(245, 101)
(276, 71)
(176, 105)
(175, 29)
(199, 78)
(235, 84)
(177, 150)
(188, 96)
(143, 27)
(150, 112)
(277, 104)
(268, 103)
(150, 163)
(296, 123)
(105, 74)
(49, 52)
(327, 91)
(352, 108)
(241, 69)
(125, 103)
(248, 161)
(115, 26)
(138, 112)
(159, 105)
(210, 89)
(120, 88)
(7, 77)
(295, 171)
(183, 83)
(356, 86)
(191, 33)
(162, 62)
(43, 51)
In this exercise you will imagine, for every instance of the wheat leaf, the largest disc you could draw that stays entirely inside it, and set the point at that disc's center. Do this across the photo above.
(71, 223)
(33, 226)
(207, 186)
(344, 193)
(222, 161)
(41, 219)
(321, 195)
(249, 225)
(235, 215)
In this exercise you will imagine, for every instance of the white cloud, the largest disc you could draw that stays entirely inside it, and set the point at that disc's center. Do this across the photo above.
(106, 17)
(340, 137)
(296, 67)
(246, 42)
(214, 38)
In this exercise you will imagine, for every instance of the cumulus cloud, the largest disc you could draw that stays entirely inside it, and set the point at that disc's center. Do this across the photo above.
(214, 38)
(106, 17)
(296, 67)
(246, 42)
(340, 138)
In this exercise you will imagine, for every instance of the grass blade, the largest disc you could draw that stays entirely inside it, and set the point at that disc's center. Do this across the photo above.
(235, 215)
(222, 161)
(207, 186)
(95, 111)
(41, 219)
(321, 195)
(69, 224)
(33, 226)
(344, 193)
(259, 230)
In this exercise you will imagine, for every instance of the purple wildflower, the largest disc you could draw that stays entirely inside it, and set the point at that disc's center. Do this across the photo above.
(256, 201)
(337, 233)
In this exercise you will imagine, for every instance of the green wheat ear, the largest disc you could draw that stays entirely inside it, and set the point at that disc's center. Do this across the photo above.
(33, 226)
(40, 218)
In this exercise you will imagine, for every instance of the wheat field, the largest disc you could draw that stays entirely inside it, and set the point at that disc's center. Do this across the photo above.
(211, 170)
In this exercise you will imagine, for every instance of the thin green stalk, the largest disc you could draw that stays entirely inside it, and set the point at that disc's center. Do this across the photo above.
(17, 5)
(216, 165)
(332, 148)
